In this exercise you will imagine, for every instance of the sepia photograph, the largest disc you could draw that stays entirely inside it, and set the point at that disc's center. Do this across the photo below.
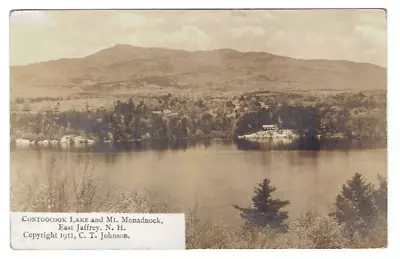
(266, 128)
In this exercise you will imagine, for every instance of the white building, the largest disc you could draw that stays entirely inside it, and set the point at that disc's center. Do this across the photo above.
(269, 127)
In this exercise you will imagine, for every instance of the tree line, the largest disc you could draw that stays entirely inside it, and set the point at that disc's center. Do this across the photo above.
(176, 118)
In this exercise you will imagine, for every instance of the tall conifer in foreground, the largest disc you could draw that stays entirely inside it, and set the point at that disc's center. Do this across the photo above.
(356, 207)
(381, 196)
(266, 211)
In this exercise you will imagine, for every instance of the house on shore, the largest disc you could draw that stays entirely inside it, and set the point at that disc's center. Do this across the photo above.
(269, 127)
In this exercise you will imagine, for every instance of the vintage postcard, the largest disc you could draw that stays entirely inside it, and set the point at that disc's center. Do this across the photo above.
(198, 129)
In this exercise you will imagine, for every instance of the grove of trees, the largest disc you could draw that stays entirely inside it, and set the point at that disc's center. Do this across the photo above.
(168, 117)
(359, 218)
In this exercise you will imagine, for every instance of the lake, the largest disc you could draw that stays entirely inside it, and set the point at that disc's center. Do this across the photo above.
(219, 173)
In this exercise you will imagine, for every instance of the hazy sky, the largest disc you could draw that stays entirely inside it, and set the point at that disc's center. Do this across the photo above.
(357, 35)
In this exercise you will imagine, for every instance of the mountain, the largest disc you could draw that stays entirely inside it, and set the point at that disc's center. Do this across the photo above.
(216, 70)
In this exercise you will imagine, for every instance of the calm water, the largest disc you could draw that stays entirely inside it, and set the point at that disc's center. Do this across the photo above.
(218, 174)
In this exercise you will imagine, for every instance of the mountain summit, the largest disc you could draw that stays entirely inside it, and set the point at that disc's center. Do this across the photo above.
(223, 69)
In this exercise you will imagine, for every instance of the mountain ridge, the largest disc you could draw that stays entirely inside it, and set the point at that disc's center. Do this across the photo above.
(225, 69)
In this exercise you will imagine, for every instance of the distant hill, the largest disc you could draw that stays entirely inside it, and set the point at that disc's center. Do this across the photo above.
(216, 70)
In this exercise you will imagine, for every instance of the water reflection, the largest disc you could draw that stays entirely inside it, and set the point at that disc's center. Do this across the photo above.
(309, 144)
(200, 171)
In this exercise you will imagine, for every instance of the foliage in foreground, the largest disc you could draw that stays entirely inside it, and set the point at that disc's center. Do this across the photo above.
(359, 219)
(356, 206)
(77, 190)
(310, 231)
(266, 211)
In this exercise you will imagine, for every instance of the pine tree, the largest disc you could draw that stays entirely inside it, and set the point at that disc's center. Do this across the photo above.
(381, 196)
(356, 207)
(265, 210)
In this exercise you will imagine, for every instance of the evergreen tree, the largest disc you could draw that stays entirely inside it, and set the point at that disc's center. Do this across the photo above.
(381, 196)
(356, 207)
(265, 210)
